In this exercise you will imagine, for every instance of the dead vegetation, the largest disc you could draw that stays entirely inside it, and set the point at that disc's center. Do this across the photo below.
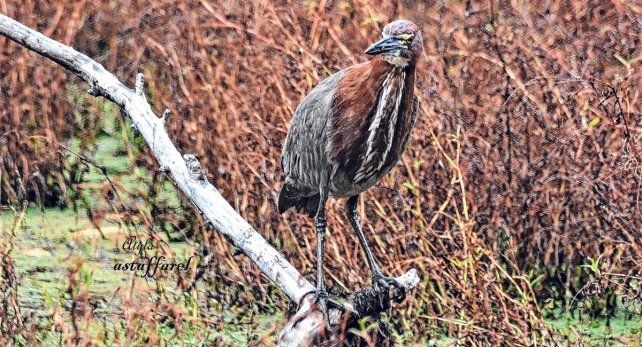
(524, 165)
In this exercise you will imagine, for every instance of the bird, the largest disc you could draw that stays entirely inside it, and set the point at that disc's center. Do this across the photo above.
(347, 133)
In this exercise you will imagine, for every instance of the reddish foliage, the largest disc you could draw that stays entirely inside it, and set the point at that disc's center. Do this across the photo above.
(525, 156)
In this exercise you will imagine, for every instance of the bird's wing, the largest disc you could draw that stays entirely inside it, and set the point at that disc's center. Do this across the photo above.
(304, 152)
(412, 120)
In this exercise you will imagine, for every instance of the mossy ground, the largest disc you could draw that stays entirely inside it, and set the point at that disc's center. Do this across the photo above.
(622, 330)
(49, 242)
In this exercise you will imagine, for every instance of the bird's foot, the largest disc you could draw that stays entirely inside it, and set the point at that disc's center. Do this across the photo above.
(381, 282)
(323, 300)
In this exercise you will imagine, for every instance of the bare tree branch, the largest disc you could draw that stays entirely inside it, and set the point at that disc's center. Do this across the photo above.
(184, 170)
(188, 176)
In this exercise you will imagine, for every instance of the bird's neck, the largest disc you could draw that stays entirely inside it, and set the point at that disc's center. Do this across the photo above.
(391, 109)
(385, 64)
(396, 61)
(388, 66)
(359, 90)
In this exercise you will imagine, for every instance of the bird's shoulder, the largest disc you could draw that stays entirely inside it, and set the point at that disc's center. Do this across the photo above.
(303, 148)
(320, 96)
(326, 106)
(311, 114)
(323, 100)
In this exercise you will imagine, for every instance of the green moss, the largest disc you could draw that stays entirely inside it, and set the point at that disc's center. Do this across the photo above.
(623, 329)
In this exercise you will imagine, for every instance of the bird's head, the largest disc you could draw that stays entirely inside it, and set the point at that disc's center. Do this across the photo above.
(401, 42)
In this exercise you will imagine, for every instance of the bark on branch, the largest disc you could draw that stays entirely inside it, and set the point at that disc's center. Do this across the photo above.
(188, 176)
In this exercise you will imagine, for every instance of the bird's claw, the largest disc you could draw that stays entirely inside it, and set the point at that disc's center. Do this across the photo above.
(322, 299)
(381, 282)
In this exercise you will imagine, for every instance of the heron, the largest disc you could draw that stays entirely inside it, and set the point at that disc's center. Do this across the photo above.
(347, 133)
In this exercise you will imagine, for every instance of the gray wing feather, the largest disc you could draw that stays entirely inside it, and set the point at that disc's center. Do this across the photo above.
(413, 120)
(304, 152)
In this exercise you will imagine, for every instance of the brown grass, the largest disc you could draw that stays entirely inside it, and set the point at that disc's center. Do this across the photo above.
(524, 162)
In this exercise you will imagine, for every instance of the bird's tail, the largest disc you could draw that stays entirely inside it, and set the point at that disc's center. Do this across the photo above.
(292, 197)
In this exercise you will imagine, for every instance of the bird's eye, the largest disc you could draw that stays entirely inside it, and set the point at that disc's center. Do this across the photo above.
(407, 38)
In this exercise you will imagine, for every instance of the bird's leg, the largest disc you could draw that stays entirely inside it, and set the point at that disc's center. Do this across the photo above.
(322, 297)
(321, 294)
(320, 224)
(378, 279)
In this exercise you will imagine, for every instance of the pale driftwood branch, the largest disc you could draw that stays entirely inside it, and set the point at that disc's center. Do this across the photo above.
(186, 174)
(306, 326)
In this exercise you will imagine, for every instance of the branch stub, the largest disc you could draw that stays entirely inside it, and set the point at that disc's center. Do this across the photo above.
(140, 84)
(194, 168)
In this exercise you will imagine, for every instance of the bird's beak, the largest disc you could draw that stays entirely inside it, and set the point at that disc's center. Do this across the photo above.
(384, 45)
